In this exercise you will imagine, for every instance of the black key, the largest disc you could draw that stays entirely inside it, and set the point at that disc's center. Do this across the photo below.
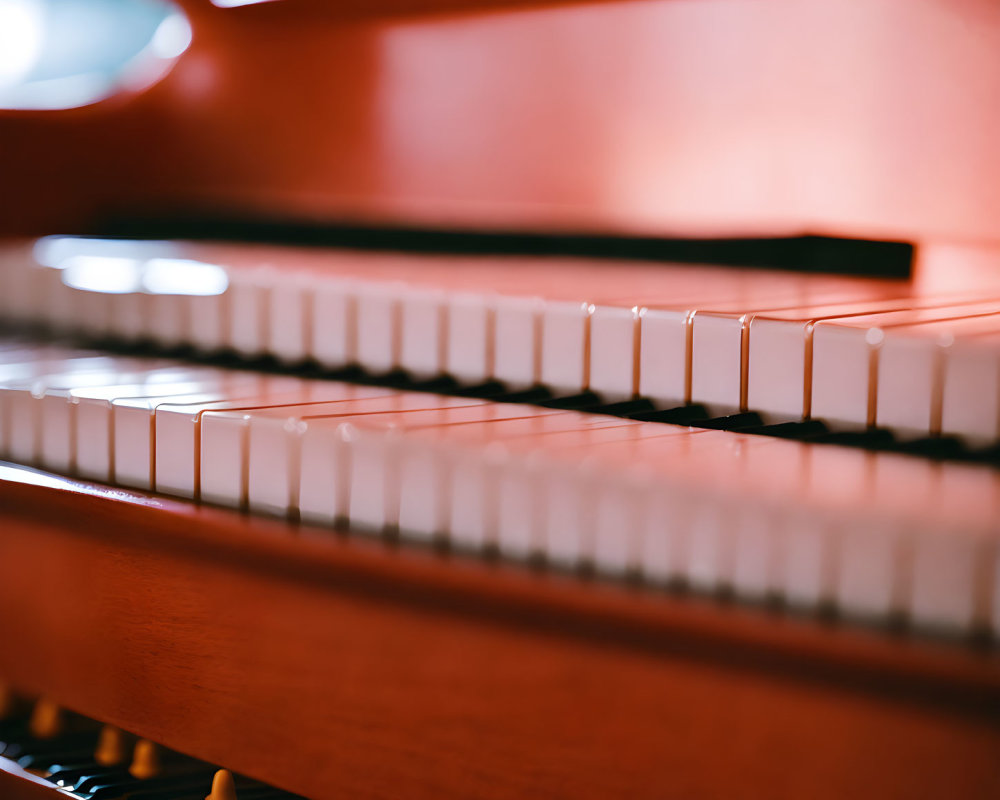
(74, 778)
(483, 390)
(12, 731)
(43, 761)
(790, 430)
(874, 439)
(536, 396)
(442, 385)
(112, 791)
(70, 743)
(573, 402)
(683, 415)
(734, 422)
(626, 408)
(66, 766)
(938, 447)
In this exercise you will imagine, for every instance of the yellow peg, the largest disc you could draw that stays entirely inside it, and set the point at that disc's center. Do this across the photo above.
(223, 787)
(145, 760)
(47, 720)
(112, 746)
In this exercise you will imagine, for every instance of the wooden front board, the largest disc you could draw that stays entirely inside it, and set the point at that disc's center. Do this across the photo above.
(339, 666)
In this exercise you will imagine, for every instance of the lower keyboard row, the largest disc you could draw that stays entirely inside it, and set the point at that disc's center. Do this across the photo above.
(79, 758)
(876, 536)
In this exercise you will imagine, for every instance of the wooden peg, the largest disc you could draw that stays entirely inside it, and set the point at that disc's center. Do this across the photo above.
(145, 760)
(223, 787)
(112, 746)
(47, 720)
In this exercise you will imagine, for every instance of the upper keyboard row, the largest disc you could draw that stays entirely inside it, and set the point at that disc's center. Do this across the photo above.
(849, 351)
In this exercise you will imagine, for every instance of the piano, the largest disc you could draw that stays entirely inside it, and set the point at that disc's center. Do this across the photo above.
(499, 398)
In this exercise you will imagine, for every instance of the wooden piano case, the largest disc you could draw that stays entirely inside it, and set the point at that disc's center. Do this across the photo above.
(353, 667)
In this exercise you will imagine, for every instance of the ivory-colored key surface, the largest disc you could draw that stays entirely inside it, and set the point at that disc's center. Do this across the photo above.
(779, 364)
(20, 399)
(730, 339)
(269, 451)
(874, 535)
(229, 434)
(845, 358)
(970, 392)
(909, 392)
(133, 419)
(178, 429)
(572, 324)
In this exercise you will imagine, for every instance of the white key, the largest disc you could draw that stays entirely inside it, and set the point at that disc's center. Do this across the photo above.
(663, 356)
(471, 320)
(665, 534)
(565, 332)
(378, 315)
(275, 441)
(518, 324)
(423, 348)
(618, 523)
(613, 333)
(290, 318)
(806, 579)
(907, 376)
(249, 306)
(133, 460)
(334, 322)
(842, 364)
(425, 482)
(22, 403)
(948, 585)
(565, 509)
(868, 568)
(519, 502)
(324, 487)
(168, 322)
(94, 428)
(756, 543)
(776, 368)
(716, 370)
(183, 455)
(971, 391)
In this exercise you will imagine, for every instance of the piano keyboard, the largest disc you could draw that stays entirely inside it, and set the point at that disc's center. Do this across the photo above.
(854, 353)
(75, 757)
(871, 536)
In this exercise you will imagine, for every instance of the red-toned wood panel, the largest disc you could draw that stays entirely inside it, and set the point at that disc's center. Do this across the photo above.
(337, 667)
(865, 117)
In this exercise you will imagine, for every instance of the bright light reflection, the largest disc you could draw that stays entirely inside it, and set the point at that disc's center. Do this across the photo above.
(237, 3)
(103, 274)
(119, 266)
(20, 39)
(56, 251)
(172, 37)
(57, 54)
(183, 276)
